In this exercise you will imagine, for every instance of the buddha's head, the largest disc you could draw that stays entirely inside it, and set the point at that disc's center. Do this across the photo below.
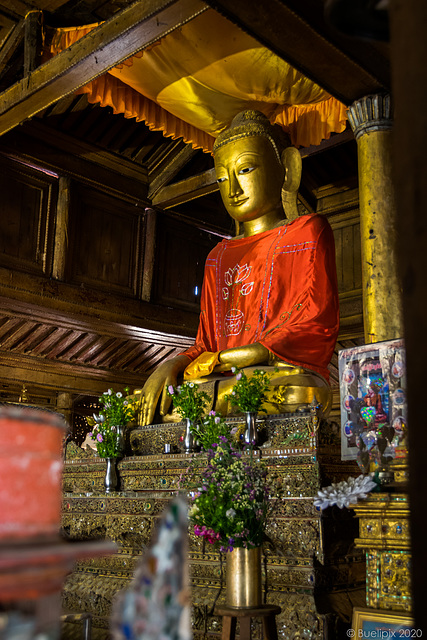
(253, 160)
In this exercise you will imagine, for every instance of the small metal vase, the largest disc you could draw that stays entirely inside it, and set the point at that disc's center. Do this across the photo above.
(189, 440)
(243, 578)
(111, 479)
(120, 441)
(251, 433)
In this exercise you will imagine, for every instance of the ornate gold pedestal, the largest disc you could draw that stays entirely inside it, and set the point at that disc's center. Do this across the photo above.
(384, 536)
(309, 571)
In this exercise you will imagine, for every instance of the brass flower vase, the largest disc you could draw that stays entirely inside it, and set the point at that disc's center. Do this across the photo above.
(243, 578)
(251, 434)
(189, 440)
(111, 479)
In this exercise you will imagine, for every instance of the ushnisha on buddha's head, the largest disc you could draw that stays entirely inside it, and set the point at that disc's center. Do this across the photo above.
(254, 161)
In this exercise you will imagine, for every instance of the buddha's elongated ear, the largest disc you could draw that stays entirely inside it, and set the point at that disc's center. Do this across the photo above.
(292, 163)
(291, 160)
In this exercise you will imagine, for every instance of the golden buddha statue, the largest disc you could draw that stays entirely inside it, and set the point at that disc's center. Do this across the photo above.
(269, 297)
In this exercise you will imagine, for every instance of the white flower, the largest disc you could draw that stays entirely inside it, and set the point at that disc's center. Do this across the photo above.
(110, 392)
(119, 394)
(230, 513)
(344, 493)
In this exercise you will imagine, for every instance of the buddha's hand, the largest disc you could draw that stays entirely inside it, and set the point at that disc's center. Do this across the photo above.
(157, 384)
(246, 356)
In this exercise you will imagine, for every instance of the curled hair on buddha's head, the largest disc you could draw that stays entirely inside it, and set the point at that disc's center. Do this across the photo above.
(253, 123)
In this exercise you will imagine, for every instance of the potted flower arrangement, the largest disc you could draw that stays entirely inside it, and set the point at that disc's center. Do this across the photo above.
(108, 430)
(210, 430)
(230, 509)
(248, 395)
(190, 402)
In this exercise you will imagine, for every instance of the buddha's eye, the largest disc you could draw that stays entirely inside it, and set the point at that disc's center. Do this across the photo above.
(223, 179)
(245, 170)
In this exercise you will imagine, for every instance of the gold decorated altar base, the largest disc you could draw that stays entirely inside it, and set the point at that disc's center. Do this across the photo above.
(384, 536)
(310, 569)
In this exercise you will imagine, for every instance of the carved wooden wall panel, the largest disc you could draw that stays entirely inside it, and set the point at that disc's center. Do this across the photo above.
(347, 250)
(26, 224)
(106, 242)
(181, 256)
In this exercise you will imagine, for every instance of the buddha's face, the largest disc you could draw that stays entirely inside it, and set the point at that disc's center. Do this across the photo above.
(250, 178)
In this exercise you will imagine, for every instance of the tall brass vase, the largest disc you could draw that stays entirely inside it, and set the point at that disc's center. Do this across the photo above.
(243, 579)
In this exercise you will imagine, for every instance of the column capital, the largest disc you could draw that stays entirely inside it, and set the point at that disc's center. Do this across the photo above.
(371, 113)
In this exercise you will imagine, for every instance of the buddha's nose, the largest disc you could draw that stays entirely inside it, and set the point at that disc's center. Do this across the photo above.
(235, 188)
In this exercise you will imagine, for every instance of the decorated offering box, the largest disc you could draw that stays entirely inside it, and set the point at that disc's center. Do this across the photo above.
(373, 402)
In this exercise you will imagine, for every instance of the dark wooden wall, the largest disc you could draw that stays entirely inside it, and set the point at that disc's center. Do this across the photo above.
(96, 288)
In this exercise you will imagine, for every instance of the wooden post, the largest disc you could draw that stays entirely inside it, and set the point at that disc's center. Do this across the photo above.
(64, 405)
(149, 253)
(32, 42)
(60, 249)
(409, 81)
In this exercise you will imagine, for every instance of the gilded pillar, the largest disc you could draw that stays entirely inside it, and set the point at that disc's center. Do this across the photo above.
(370, 119)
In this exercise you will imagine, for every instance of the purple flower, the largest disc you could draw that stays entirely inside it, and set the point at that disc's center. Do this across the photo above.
(239, 375)
(99, 437)
(217, 420)
(212, 413)
(171, 389)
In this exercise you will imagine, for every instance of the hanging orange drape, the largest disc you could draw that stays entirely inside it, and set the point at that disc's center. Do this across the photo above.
(192, 82)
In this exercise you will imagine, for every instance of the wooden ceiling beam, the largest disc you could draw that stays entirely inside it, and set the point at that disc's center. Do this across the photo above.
(185, 190)
(290, 36)
(172, 167)
(128, 32)
(13, 41)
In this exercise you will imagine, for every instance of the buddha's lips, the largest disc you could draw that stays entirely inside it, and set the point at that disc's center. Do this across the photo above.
(236, 203)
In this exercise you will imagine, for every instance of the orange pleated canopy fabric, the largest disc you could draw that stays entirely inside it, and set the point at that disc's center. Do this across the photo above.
(192, 82)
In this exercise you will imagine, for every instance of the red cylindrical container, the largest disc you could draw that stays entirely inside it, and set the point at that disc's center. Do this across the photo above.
(30, 473)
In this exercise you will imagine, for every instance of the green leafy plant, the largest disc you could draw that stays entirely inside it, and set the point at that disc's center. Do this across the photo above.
(189, 401)
(233, 499)
(249, 393)
(208, 432)
(116, 412)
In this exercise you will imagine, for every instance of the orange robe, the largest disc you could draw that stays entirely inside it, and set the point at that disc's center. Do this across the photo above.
(278, 288)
